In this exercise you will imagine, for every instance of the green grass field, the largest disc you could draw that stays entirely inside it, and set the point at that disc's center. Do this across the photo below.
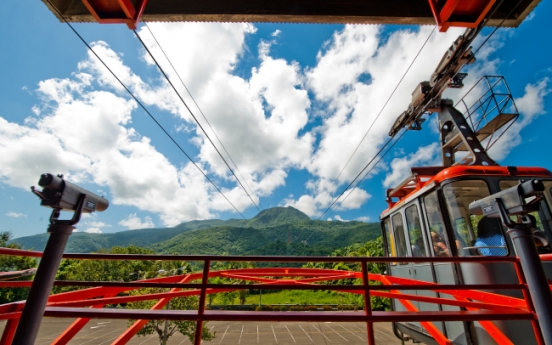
(294, 297)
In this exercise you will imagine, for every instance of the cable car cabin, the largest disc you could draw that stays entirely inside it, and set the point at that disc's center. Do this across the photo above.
(428, 215)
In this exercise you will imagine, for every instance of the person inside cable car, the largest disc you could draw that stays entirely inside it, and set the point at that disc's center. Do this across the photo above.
(439, 246)
(490, 238)
(418, 247)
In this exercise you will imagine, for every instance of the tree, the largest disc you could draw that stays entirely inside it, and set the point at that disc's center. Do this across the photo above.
(13, 263)
(186, 328)
(370, 248)
(229, 297)
(129, 270)
(117, 270)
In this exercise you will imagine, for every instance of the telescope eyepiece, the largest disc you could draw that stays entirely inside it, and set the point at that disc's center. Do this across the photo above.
(52, 182)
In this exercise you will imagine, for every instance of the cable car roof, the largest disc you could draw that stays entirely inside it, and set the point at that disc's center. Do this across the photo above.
(417, 12)
(423, 178)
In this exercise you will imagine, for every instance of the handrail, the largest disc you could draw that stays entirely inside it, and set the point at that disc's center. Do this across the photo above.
(477, 305)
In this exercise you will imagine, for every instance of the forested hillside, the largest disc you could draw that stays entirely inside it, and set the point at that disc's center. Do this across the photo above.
(265, 234)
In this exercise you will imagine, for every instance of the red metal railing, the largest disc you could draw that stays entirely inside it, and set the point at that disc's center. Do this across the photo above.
(88, 303)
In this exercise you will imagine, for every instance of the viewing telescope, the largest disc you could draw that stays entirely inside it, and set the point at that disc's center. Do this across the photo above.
(61, 194)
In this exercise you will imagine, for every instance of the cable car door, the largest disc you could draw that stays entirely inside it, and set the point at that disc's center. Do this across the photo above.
(402, 269)
(422, 271)
(444, 272)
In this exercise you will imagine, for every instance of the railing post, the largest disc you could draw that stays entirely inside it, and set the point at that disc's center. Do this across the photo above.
(202, 297)
(33, 312)
(367, 302)
(529, 301)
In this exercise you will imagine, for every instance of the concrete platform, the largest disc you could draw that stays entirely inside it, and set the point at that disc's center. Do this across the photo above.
(103, 332)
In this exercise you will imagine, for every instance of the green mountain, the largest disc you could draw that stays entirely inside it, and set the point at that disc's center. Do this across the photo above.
(279, 215)
(275, 231)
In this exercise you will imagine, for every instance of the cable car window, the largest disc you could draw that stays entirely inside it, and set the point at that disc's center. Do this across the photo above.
(439, 238)
(415, 231)
(389, 239)
(548, 193)
(398, 230)
(475, 235)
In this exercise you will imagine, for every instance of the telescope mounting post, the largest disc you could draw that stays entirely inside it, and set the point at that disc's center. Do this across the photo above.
(539, 290)
(33, 312)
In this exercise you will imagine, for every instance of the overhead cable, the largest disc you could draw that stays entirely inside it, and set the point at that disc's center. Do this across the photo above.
(146, 110)
(498, 26)
(381, 110)
(200, 111)
(484, 42)
(368, 172)
(365, 175)
(193, 116)
(356, 178)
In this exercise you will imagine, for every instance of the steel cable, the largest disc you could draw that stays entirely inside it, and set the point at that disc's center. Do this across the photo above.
(145, 109)
(194, 117)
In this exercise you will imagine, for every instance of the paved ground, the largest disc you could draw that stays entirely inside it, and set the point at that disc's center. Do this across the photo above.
(103, 332)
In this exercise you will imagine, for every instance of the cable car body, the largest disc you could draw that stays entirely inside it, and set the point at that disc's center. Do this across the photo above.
(434, 200)
(428, 216)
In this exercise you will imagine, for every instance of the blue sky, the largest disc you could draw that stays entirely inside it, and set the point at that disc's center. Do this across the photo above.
(289, 102)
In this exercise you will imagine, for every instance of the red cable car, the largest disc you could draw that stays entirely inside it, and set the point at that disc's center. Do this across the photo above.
(429, 216)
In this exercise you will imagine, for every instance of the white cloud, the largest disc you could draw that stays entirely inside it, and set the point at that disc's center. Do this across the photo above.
(355, 54)
(258, 120)
(83, 126)
(93, 226)
(96, 224)
(351, 82)
(276, 33)
(400, 167)
(93, 231)
(365, 219)
(338, 217)
(15, 214)
(531, 104)
(305, 204)
(133, 222)
(83, 131)
(353, 199)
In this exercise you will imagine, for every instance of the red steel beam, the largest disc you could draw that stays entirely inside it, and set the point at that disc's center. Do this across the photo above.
(76, 326)
(237, 258)
(96, 291)
(11, 324)
(430, 328)
(116, 11)
(341, 316)
(139, 323)
(497, 307)
(437, 300)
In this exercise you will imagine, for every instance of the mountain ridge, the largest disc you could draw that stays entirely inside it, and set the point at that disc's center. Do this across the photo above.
(257, 235)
